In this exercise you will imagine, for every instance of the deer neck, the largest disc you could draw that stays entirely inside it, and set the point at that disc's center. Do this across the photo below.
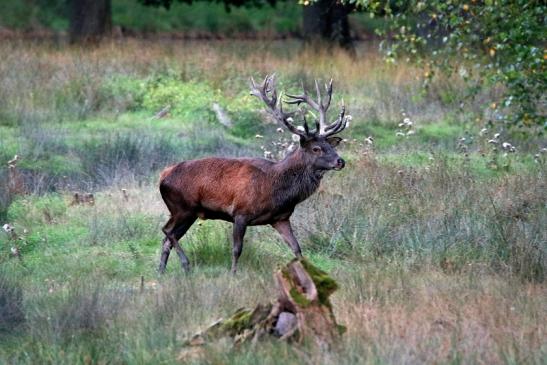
(295, 180)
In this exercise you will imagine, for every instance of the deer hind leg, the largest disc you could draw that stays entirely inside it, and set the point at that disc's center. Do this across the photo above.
(166, 246)
(179, 231)
(240, 226)
(174, 229)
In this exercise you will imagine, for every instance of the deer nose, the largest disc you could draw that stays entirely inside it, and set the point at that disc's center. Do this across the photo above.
(340, 163)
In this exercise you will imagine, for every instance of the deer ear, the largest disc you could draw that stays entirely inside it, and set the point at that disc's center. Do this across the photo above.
(334, 141)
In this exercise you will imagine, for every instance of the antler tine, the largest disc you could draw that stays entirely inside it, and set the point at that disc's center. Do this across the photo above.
(304, 98)
(318, 92)
(289, 125)
(339, 124)
(315, 105)
(328, 87)
(268, 94)
(322, 110)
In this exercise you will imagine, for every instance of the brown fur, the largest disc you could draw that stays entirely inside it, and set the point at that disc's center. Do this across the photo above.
(245, 191)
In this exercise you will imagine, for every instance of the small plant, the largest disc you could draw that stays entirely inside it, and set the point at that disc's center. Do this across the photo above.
(406, 128)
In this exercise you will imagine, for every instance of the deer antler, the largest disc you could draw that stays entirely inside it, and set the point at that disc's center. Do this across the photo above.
(322, 128)
(268, 94)
(266, 91)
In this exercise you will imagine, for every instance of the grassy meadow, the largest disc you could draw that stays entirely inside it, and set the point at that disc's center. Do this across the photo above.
(435, 235)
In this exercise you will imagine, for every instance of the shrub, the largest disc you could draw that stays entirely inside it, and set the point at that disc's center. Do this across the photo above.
(492, 43)
(124, 92)
(188, 99)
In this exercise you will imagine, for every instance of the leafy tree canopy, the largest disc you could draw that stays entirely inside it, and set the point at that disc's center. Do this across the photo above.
(167, 3)
(492, 42)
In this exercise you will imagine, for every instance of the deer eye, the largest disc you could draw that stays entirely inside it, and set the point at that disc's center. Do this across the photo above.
(316, 149)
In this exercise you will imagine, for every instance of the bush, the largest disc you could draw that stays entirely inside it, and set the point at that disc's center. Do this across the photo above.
(485, 43)
(190, 100)
(124, 92)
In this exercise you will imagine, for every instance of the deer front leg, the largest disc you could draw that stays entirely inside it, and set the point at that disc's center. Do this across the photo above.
(165, 250)
(285, 230)
(240, 226)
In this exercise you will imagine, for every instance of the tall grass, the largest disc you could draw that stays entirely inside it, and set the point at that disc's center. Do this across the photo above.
(440, 253)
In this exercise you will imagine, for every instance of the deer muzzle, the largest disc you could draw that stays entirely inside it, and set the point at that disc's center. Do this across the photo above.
(340, 163)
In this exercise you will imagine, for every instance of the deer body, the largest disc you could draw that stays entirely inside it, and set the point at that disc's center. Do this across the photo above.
(222, 188)
(246, 191)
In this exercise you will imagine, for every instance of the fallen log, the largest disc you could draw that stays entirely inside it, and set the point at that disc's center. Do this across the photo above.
(301, 313)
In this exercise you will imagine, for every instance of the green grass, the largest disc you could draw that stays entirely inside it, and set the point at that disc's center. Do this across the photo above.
(438, 250)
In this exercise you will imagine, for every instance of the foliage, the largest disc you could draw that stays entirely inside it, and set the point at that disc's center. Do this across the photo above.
(196, 19)
(499, 44)
(188, 99)
(35, 13)
(167, 3)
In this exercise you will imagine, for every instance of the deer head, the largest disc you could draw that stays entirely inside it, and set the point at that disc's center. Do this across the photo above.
(317, 145)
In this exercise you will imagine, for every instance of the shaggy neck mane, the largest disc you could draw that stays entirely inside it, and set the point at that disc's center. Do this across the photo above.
(295, 180)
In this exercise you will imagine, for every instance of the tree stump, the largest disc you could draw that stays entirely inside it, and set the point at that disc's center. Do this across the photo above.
(302, 312)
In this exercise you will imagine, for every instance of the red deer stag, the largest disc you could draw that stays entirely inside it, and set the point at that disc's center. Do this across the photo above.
(253, 191)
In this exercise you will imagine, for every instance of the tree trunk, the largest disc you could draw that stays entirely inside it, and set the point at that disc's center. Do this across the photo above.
(90, 20)
(302, 313)
(327, 21)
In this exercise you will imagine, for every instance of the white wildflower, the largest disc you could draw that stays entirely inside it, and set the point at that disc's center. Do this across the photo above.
(268, 154)
(496, 136)
(410, 132)
(483, 131)
(279, 130)
(348, 119)
(258, 136)
(407, 122)
(369, 140)
(7, 228)
(290, 120)
(295, 137)
(14, 251)
(543, 150)
(291, 147)
(493, 141)
(400, 134)
(300, 128)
